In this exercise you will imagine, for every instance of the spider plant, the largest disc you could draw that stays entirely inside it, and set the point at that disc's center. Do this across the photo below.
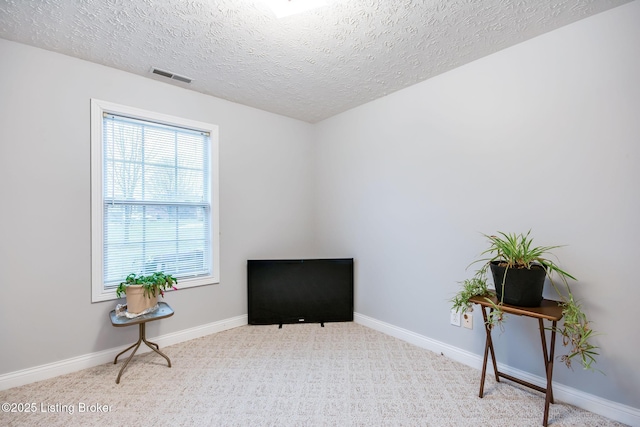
(512, 250)
(517, 251)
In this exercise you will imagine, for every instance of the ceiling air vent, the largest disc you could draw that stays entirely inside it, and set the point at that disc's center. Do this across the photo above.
(171, 75)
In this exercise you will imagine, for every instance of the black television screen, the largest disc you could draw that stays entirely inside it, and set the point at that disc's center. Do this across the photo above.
(300, 291)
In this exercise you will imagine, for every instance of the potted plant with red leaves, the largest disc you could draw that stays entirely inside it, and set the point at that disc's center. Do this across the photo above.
(142, 290)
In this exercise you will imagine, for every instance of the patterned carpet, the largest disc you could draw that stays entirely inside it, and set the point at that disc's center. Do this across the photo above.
(344, 374)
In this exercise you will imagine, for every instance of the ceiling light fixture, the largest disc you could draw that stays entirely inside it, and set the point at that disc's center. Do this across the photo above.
(282, 8)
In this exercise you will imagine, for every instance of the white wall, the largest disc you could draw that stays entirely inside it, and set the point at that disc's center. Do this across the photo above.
(541, 136)
(46, 314)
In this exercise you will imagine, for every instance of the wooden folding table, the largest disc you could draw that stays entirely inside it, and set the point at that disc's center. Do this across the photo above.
(549, 310)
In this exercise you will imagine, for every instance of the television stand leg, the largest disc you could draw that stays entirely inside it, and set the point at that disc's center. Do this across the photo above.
(280, 327)
(322, 324)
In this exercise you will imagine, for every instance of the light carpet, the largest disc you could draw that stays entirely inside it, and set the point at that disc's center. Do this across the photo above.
(344, 374)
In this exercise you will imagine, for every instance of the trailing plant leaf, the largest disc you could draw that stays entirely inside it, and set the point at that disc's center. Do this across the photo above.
(576, 333)
(470, 288)
(496, 316)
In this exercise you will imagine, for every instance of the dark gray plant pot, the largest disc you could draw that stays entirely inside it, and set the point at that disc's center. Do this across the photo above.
(522, 287)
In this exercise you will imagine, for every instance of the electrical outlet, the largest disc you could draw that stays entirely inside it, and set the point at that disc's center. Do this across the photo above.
(467, 320)
(455, 318)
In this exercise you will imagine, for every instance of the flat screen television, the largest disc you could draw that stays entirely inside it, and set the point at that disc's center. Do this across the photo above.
(300, 291)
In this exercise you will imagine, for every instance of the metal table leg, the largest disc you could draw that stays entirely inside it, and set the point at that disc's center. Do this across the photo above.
(141, 338)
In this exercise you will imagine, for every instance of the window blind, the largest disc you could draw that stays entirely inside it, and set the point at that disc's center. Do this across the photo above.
(157, 201)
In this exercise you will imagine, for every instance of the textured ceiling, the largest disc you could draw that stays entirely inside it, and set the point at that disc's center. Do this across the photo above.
(309, 66)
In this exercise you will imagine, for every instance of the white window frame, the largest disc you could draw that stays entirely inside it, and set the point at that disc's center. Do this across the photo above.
(98, 108)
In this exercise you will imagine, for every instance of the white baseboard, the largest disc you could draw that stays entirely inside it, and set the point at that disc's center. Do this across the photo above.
(613, 410)
(50, 370)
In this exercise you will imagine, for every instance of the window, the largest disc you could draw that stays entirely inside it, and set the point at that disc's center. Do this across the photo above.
(154, 198)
